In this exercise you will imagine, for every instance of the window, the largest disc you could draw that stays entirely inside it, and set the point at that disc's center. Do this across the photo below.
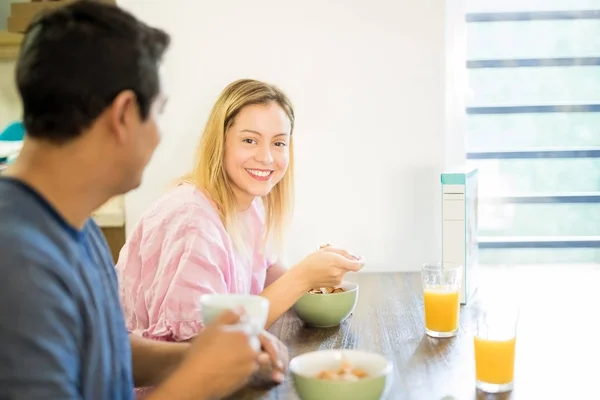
(533, 128)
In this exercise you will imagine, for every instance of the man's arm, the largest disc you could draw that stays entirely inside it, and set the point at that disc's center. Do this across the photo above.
(153, 360)
(40, 333)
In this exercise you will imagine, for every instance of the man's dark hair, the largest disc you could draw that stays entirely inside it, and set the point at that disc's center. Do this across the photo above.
(76, 59)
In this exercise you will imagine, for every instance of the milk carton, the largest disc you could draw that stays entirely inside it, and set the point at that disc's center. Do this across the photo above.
(460, 225)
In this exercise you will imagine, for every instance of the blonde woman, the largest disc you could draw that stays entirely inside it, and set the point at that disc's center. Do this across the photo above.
(220, 229)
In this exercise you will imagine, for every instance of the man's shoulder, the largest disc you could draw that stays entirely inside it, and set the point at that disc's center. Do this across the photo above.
(31, 263)
(27, 256)
(29, 239)
(20, 238)
(37, 274)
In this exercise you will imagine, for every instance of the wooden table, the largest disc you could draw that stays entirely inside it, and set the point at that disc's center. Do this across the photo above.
(558, 349)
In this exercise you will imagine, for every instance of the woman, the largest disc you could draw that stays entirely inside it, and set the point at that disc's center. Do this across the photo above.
(220, 229)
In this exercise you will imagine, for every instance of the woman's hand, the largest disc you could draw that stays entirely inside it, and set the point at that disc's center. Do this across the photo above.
(323, 268)
(341, 252)
(327, 267)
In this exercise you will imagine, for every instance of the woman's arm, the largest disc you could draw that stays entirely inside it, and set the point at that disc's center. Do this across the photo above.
(283, 288)
(275, 272)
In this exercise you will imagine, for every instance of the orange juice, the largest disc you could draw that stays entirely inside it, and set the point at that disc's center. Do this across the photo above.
(494, 360)
(441, 310)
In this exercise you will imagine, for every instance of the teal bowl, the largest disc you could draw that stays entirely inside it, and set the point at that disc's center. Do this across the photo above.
(375, 386)
(327, 310)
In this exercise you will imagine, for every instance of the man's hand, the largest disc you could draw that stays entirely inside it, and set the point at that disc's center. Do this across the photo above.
(273, 361)
(219, 362)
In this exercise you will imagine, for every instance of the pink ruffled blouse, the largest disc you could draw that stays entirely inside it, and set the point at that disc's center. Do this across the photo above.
(178, 251)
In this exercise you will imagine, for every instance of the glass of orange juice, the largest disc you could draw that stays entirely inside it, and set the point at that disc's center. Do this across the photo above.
(495, 342)
(441, 298)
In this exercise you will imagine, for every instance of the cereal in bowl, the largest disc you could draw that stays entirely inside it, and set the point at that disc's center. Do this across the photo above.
(326, 290)
(346, 372)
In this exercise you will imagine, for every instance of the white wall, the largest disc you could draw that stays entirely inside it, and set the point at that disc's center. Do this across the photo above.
(378, 111)
(10, 104)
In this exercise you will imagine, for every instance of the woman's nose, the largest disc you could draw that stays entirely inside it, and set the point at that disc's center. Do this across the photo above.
(264, 155)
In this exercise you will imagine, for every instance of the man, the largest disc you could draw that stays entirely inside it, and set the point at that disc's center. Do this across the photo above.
(89, 83)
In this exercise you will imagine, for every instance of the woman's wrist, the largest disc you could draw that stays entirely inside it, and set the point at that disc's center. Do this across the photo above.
(299, 277)
(285, 292)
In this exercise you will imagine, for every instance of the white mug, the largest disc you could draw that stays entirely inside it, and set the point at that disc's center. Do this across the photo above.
(255, 307)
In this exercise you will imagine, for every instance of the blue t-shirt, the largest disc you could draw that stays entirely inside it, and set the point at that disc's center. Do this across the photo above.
(62, 331)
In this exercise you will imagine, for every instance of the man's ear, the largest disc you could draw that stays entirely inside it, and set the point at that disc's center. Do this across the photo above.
(123, 115)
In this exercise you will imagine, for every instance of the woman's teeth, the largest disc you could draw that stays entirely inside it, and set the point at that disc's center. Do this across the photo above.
(256, 172)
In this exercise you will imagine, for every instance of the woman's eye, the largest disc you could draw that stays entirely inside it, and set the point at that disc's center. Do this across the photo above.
(249, 141)
(281, 144)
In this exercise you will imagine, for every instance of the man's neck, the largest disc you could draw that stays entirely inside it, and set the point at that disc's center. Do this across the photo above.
(62, 178)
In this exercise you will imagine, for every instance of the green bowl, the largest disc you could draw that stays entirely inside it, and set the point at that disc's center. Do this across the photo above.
(376, 386)
(327, 310)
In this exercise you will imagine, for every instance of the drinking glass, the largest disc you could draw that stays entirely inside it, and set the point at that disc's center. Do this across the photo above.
(495, 341)
(441, 298)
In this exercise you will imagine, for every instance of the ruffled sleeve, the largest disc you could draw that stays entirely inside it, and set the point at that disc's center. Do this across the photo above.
(191, 260)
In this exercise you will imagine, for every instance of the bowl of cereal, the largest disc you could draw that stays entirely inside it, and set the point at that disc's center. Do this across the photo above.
(341, 375)
(327, 307)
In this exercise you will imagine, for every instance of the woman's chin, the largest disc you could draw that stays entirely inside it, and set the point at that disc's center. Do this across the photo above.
(259, 190)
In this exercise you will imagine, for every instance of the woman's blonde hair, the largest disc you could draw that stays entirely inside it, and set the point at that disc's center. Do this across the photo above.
(209, 170)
